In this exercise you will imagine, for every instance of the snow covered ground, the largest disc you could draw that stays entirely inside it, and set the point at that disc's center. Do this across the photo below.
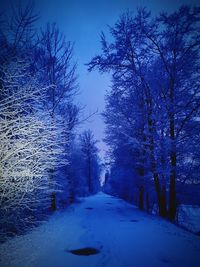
(188, 216)
(125, 237)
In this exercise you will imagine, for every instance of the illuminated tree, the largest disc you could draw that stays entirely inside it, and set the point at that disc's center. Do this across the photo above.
(26, 136)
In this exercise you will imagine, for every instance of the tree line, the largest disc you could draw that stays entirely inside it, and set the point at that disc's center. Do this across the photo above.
(44, 162)
(152, 109)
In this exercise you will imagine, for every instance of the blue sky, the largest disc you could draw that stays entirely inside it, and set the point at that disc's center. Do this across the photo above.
(82, 22)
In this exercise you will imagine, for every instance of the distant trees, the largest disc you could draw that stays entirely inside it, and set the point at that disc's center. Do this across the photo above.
(84, 168)
(91, 168)
(154, 102)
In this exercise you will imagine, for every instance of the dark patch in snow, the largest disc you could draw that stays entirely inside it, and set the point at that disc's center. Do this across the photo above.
(198, 233)
(109, 203)
(84, 251)
(133, 220)
(89, 208)
(165, 260)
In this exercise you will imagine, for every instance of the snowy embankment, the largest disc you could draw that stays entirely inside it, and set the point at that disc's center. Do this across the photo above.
(188, 216)
(124, 236)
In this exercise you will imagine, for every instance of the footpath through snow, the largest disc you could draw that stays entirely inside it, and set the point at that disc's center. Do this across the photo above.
(125, 237)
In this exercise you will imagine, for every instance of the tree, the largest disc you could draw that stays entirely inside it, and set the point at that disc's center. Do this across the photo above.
(37, 115)
(91, 167)
(17, 33)
(70, 115)
(25, 140)
(178, 51)
(154, 64)
(54, 56)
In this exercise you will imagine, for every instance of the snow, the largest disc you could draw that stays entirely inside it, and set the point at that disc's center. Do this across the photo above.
(145, 241)
(189, 217)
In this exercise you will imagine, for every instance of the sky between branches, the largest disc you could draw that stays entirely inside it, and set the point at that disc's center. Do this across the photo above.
(82, 21)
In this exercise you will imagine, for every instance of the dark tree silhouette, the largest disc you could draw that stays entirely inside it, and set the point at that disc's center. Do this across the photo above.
(91, 168)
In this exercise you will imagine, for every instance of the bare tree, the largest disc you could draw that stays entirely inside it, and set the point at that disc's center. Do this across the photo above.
(89, 150)
(54, 56)
(17, 31)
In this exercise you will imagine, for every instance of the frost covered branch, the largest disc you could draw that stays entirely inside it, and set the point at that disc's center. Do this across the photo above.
(30, 143)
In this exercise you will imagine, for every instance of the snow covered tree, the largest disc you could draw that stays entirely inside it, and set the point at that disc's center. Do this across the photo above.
(177, 43)
(67, 177)
(154, 64)
(54, 56)
(37, 116)
(26, 137)
(91, 168)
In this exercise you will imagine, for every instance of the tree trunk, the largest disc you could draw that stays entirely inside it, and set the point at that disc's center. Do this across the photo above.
(141, 198)
(173, 158)
(160, 198)
(89, 175)
(53, 194)
(71, 188)
(147, 202)
(164, 201)
(53, 201)
(172, 187)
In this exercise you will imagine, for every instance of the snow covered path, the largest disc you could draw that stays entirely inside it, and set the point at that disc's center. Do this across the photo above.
(125, 237)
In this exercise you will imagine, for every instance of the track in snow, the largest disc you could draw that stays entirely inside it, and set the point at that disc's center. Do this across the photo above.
(124, 236)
